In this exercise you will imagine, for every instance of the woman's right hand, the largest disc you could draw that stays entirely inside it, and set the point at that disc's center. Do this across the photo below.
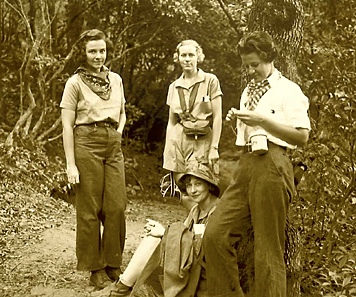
(154, 228)
(73, 174)
(231, 114)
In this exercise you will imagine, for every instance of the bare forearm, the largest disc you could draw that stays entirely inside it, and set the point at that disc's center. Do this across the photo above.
(122, 123)
(217, 121)
(216, 132)
(68, 144)
(287, 133)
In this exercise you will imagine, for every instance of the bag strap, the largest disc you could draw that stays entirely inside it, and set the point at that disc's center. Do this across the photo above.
(192, 98)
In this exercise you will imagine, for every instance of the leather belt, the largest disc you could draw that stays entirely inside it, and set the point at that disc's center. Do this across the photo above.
(102, 124)
(276, 145)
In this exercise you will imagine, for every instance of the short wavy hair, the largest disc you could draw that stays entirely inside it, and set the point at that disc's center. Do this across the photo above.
(258, 42)
(79, 54)
(192, 42)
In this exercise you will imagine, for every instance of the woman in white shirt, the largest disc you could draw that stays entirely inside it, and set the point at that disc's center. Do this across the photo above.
(262, 185)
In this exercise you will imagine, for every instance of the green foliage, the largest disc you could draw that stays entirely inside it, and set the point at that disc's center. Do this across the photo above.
(143, 37)
(134, 115)
(26, 165)
(327, 206)
(27, 175)
(338, 278)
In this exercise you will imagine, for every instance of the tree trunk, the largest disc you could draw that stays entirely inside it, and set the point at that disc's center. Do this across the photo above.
(284, 20)
(245, 256)
(75, 20)
(27, 86)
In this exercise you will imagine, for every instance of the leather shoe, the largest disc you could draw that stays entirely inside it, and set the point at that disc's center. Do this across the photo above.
(100, 279)
(121, 290)
(113, 273)
(117, 289)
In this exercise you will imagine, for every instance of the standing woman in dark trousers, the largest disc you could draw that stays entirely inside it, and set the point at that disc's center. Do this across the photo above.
(262, 184)
(93, 118)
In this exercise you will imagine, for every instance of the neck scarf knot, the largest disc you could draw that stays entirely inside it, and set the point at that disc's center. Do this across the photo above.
(99, 83)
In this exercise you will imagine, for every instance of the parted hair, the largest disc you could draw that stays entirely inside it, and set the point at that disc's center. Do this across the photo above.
(79, 54)
(192, 42)
(258, 42)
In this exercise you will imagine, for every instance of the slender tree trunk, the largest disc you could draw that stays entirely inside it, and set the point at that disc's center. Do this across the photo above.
(32, 103)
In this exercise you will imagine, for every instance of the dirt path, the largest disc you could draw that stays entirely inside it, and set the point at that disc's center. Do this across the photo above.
(47, 268)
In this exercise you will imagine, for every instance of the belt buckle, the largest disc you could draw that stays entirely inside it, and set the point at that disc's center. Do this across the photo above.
(102, 124)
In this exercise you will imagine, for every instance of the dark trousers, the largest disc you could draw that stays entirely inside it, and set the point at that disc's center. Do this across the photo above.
(100, 197)
(258, 195)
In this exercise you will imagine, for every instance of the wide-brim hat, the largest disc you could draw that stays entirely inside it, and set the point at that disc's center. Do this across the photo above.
(202, 171)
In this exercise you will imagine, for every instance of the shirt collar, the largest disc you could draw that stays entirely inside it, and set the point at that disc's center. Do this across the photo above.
(274, 77)
(199, 78)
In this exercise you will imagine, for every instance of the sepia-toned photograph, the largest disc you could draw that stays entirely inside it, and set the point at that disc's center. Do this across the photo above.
(164, 148)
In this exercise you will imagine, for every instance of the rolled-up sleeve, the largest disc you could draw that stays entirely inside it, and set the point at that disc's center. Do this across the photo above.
(296, 108)
(214, 87)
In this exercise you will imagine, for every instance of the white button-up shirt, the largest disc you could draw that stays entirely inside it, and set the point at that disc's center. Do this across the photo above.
(284, 103)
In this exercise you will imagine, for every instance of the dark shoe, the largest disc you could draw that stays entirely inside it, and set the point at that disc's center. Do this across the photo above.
(113, 273)
(121, 290)
(100, 279)
(116, 289)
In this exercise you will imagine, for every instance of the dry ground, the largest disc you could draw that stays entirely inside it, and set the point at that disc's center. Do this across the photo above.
(45, 266)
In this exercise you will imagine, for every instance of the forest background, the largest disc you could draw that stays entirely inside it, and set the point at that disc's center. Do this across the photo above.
(317, 41)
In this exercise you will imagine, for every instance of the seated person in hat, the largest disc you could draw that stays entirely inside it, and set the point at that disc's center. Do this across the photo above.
(148, 269)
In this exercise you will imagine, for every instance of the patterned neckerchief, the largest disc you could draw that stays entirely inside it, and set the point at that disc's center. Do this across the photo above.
(99, 83)
(255, 91)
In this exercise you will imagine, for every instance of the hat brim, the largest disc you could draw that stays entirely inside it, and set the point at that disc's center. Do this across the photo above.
(182, 176)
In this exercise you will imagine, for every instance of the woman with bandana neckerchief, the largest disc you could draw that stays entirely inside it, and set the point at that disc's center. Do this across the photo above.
(93, 118)
(262, 186)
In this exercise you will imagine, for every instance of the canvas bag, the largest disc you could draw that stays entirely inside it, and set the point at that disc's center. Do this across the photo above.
(191, 125)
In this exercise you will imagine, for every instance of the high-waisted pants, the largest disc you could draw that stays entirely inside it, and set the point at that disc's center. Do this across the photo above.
(100, 197)
(258, 196)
